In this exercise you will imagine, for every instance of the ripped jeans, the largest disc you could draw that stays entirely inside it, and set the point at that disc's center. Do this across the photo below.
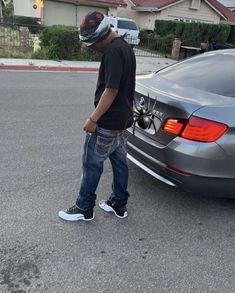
(99, 146)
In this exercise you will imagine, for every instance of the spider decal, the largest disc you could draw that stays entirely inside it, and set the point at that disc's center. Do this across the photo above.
(144, 117)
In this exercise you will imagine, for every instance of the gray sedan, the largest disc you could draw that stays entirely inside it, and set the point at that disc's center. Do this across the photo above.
(184, 124)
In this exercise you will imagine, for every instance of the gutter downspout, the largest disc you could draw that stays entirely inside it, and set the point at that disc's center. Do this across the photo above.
(42, 13)
(76, 17)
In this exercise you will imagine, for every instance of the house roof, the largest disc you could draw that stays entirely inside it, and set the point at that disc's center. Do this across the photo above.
(229, 15)
(158, 5)
(112, 2)
(95, 2)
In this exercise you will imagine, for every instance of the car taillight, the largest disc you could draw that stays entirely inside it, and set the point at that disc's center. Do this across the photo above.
(173, 126)
(203, 130)
(198, 129)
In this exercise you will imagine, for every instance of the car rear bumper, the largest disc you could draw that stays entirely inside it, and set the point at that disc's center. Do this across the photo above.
(132, 41)
(212, 186)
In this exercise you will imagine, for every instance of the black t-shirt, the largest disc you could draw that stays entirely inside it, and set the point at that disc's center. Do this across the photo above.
(117, 71)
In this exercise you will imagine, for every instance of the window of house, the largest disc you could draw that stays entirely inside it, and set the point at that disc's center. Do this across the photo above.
(185, 19)
(195, 4)
(182, 19)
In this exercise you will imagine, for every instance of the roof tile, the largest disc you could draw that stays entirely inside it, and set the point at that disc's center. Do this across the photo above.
(153, 3)
(115, 2)
(224, 10)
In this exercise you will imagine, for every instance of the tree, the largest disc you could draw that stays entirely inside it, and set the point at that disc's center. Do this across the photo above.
(8, 12)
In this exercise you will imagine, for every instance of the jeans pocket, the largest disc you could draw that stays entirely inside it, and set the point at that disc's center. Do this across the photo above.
(103, 145)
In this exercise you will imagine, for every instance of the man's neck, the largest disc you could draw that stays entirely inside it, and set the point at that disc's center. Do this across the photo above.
(109, 39)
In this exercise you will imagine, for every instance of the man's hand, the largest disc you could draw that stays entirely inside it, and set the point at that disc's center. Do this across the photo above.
(89, 126)
(104, 104)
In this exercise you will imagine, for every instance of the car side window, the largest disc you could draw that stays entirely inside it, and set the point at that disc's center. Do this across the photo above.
(125, 24)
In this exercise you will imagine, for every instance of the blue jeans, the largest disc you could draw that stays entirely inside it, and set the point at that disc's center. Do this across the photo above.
(98, 147)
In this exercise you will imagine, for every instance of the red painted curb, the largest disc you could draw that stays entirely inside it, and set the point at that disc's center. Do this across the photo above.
(47, 68)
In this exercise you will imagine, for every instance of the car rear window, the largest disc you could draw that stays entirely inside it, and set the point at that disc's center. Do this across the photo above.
(126, 24)
(214, 73)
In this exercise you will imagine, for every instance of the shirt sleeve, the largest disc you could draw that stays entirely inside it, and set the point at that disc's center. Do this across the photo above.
(113, 69)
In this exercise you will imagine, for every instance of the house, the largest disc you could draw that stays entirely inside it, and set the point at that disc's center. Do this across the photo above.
(145, 12)
(229, 16)
(70, 12)
(28, 8)
(67, 12)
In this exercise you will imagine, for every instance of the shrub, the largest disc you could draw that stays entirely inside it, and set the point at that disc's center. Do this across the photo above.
(145, 34)
(89, 55)
(41, 54)
(231, 38)
(8, 12)
(31, 22)
(61, 41)
(15, 53)
(154, 42)
(163, 44)
(193, 33)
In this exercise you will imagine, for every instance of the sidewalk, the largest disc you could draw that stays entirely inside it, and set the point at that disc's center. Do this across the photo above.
(144, 64)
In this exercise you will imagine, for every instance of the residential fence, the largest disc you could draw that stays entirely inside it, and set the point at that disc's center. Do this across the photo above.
(27, 37)
(16, 36)
(149, 47)
(157, 46)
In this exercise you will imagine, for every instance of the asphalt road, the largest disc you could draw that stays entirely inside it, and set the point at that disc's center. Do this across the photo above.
(170, 242)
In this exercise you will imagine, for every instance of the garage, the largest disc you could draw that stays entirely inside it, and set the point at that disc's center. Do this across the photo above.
(56, 12)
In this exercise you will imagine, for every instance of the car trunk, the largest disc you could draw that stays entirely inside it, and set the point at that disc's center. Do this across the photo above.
(166, 99)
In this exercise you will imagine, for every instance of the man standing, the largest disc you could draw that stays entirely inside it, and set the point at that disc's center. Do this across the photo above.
(106, 126)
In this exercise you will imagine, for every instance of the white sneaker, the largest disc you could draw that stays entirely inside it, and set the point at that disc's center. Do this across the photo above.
(76, 214)
(108, 206)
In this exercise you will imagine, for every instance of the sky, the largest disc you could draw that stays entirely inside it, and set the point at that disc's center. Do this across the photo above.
(228, 3)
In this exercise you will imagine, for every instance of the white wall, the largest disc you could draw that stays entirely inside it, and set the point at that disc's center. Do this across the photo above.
(183, 11)
(59, 13)
(112, 11)
(66, 13)
(25, 8)
(83, 10)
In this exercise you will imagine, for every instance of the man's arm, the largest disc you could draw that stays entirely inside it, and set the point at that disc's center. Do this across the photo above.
(104, 104)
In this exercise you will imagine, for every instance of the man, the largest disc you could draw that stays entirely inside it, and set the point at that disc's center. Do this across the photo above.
(106, 126)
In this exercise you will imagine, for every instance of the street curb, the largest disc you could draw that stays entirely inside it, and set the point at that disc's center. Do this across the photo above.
(47, 68)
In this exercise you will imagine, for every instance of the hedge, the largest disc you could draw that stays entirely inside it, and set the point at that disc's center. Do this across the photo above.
(231, 38)
(62, 42)
(153, 42)
(31, 22)
(193, 33)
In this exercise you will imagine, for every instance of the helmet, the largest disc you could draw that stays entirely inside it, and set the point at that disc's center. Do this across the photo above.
(94, 27)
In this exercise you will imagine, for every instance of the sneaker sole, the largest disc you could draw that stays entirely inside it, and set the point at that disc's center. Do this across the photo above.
(109, 209)
(74, 218)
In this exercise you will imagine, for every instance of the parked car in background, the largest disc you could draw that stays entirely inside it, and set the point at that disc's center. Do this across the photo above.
(184, 124)
(126, 27)
(220, 46)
